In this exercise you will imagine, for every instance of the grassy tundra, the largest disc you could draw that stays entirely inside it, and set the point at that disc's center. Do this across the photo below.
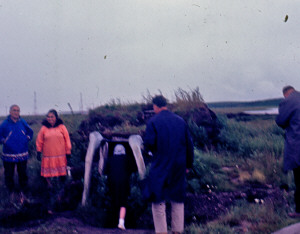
(246, 157)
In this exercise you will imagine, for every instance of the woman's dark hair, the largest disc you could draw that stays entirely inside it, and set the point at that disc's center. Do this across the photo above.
(58, 120)
(53, 112)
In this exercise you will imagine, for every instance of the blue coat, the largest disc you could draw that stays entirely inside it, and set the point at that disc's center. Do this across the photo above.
(167, 137)
(289, 119)
(15, 137)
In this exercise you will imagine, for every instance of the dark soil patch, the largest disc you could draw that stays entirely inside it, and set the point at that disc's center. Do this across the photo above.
(199, 208)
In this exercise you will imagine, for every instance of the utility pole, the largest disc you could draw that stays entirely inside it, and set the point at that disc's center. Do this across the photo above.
(81, 104)
(34, 105)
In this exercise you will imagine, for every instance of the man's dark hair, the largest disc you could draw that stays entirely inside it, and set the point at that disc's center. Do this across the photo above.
(159, 101)
(287, 88)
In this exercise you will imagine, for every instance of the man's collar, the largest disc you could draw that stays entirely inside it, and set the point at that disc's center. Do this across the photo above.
(10, 118)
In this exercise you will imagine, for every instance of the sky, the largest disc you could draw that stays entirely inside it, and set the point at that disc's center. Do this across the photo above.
(88, 53)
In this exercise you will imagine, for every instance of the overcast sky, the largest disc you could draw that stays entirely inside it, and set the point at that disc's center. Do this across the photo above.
(233, 50)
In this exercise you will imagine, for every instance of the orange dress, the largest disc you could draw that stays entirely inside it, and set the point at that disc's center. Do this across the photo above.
(54, 143)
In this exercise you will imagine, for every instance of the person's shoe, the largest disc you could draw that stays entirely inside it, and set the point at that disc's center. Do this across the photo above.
(50, 212)
(294, 215)
(15, 200)
(121, 226)
(11, 197)
(23, 198)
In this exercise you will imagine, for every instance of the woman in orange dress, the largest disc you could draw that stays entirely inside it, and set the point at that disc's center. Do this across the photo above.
(53, 142)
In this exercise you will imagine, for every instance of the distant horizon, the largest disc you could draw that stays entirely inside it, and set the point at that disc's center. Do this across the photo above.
(67, 112)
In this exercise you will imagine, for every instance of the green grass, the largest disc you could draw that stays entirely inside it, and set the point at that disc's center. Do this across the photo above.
(247, 218)
(249, 150)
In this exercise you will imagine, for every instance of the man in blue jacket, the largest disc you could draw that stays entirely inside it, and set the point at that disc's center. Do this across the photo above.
(289, 119)
(15, 135)
(167, 137)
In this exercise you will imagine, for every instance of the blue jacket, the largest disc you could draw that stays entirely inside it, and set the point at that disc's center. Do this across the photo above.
(289, 119)
(15, 137)
(168, 138)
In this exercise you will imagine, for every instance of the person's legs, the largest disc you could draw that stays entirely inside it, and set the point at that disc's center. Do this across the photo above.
(22, 174)
(49, 183)
(9, 170)
(177, 217)
(122, 215)
(297, 191)
(62, 180)
(122, 212)
(159, 217)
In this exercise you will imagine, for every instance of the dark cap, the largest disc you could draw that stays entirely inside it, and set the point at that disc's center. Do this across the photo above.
(159, 101)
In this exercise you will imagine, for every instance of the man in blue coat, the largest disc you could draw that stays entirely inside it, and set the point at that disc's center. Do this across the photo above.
(289, 119)
(168, 138)
(15, 135)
